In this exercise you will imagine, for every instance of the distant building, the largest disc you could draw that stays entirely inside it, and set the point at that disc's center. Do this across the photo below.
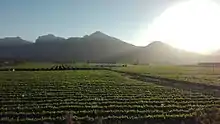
(209, 64)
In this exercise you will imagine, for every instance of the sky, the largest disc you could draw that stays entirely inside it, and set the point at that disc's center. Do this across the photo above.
(191, 25)
(67, 18)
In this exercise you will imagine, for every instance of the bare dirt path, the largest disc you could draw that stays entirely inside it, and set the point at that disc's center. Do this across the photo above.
(185, 85)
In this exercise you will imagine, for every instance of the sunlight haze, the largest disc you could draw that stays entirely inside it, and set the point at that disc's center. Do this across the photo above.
(192, 25)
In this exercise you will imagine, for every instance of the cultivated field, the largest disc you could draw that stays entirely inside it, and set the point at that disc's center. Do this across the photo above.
(27, 65)
(195, 74)
(90, 95)
(105, 96)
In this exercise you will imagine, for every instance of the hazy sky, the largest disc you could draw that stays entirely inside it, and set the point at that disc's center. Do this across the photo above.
(120, 18)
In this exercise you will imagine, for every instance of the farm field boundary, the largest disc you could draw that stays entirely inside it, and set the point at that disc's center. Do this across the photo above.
(52, 69)
(185, 85)
(61, 67)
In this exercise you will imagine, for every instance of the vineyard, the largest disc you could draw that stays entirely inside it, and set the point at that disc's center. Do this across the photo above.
(91, 96)
(53, 68)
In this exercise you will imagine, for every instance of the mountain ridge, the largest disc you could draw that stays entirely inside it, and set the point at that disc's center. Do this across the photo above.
(96, 47)
(13, 41)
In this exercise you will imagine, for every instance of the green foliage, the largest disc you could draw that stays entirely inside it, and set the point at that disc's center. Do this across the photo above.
(88, 95)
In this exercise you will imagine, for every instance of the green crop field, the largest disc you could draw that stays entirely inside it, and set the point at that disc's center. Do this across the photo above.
(30, 65)
(38, 96)
(196, 74)
(42, 65)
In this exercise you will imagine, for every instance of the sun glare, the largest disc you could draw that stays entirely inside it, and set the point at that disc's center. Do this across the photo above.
(193, 26)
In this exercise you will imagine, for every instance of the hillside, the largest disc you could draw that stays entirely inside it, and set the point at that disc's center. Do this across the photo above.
(96, 47)
(13, 41)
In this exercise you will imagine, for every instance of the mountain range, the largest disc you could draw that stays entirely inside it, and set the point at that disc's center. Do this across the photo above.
(96, 47)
